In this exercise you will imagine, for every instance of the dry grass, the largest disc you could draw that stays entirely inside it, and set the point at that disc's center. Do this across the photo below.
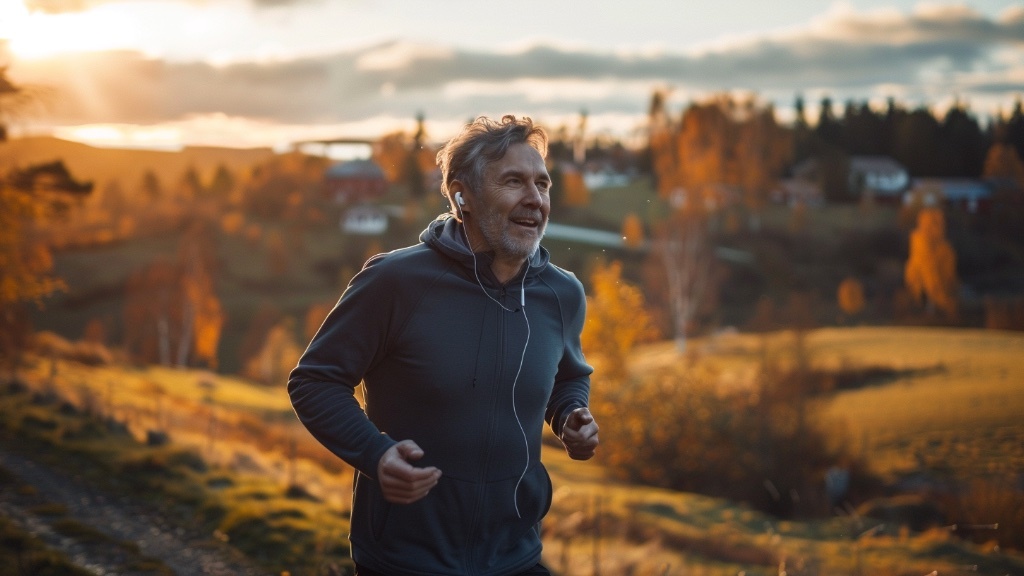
(622, 528)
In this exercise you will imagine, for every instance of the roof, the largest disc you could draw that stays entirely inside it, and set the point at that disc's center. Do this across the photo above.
(957, 189)
(355, 169)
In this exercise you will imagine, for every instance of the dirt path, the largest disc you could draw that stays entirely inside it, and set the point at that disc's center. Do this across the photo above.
(186, 551)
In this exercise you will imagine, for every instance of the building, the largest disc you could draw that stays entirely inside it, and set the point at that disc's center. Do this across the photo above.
(354, 181)
(875, 178)
(971, 196)
(878, 178)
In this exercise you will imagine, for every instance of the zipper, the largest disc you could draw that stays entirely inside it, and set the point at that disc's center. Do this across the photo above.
(480, 507)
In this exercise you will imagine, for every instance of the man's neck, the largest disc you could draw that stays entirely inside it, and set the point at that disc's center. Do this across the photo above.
(505, 269)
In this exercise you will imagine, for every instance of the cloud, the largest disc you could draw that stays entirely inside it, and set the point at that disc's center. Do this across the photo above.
(930, 52)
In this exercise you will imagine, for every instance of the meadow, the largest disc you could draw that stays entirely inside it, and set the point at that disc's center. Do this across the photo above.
(933, 413)
(237, 464)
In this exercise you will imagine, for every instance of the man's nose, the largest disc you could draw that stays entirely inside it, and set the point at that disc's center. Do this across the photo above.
(534, 197)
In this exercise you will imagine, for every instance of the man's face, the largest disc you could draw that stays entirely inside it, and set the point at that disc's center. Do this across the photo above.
(511, 212)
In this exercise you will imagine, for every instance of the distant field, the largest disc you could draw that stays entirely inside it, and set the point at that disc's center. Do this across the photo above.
(956, 401)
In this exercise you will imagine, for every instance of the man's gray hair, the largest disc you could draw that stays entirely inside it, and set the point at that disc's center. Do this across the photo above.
(482, 141)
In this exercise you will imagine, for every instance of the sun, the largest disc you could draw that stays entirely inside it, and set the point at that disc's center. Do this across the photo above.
(33, 35)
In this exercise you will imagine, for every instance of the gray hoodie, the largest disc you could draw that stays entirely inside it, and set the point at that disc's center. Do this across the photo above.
(452, 359)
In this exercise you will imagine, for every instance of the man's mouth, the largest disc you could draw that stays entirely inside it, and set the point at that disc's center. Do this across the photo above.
(527, 222)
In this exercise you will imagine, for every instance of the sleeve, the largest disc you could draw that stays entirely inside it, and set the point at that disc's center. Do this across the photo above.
(572, 381)
(322, 386)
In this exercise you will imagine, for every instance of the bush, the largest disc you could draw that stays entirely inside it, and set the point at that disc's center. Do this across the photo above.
(758, 446)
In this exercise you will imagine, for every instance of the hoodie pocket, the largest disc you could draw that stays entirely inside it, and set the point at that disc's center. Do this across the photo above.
(429, 534)
(510, 530)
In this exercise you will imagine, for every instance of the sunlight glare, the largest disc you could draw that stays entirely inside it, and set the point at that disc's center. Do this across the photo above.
(36, 35)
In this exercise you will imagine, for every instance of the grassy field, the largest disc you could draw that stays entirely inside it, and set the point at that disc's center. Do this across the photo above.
(955, 394)
(951, 396)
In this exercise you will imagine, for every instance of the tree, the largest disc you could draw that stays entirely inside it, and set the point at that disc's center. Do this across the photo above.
(277, 356)
(683, 248)
(850, 296)
(172, 313)
(152, 313)
(28, 196)
(662, 146)
(930, 271)
(203, 317)
(616, 319)
(763, 150)
(150, 185)
(190, 185)
(632, 231)
(223, 183)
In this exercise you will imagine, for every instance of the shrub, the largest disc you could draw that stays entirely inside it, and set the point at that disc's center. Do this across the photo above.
(758, 446)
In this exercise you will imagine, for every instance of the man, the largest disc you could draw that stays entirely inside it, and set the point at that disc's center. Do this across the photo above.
(466, 344)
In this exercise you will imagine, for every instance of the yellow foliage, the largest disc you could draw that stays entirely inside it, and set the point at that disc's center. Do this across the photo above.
(616, 319)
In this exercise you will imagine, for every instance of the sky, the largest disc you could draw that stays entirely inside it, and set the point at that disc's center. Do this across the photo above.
(246, 73)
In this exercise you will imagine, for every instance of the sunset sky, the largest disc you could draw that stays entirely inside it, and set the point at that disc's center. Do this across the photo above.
(162, 73)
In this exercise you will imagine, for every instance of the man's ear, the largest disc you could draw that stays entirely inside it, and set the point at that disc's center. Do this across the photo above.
(459, 192)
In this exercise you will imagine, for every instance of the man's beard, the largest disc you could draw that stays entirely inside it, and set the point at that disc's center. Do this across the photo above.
(495, 230)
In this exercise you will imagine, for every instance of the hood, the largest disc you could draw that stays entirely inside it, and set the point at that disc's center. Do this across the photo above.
(445, 235)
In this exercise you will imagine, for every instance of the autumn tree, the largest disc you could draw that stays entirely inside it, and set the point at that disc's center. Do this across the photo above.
(202, 315)
(152, 313)
(850, 296)
(617, 319)
(277, 356)
(661, 142)
(632, 231)
(930, 271)
(29, 196)
(720, 146)
(172, 313)
(763, 150)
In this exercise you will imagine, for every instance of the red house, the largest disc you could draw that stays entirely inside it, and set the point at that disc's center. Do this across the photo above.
(354, 181)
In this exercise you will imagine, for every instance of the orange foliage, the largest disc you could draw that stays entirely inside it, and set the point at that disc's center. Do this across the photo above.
(1003, 162)
(851, 296)
(574, 189)
(930, 271)
(232, 222)
(314, 318)
(632, 231)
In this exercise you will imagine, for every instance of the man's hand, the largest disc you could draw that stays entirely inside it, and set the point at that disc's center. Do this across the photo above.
(579, 434)
(400, 481)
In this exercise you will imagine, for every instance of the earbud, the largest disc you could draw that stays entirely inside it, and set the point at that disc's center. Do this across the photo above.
(459, 200)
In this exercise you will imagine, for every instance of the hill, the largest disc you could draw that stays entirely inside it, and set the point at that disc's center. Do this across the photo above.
(102, 165)
(254, 473)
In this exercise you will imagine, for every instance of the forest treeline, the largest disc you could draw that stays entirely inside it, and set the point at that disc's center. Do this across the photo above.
(245, 234)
